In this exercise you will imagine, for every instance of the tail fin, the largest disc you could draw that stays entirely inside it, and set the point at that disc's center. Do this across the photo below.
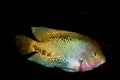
(24, 44)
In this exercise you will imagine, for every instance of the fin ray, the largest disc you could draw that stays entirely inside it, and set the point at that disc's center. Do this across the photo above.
(24, 44)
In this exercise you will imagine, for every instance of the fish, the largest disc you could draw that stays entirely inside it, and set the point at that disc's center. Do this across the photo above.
(67, 50)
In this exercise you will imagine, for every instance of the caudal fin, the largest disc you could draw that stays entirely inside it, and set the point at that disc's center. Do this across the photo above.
(24, 44)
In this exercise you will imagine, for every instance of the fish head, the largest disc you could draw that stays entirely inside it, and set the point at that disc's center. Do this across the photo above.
(92, 59)
(89, 59)
(90, 62)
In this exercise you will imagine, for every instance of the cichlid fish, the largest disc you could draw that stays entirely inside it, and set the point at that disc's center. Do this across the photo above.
(70, 51)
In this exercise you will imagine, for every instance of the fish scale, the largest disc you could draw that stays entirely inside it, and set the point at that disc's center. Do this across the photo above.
(68, 49)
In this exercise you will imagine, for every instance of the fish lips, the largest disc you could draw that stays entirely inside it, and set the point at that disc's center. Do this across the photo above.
(84, 66)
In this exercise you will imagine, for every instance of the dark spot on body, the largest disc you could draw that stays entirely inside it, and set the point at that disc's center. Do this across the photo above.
(53, 37)
(70, 39)
(48, 54)
(36, 47)
(43, 52)
(63, 36)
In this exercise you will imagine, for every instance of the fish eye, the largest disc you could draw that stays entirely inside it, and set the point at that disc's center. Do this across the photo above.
(94, 54)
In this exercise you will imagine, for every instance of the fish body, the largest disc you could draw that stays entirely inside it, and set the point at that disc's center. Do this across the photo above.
(70, 51)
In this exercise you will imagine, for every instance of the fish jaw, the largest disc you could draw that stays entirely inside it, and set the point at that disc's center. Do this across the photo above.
(85, 66)
(78, 66)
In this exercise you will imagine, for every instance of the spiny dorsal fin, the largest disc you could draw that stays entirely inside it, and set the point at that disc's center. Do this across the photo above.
(43, 33)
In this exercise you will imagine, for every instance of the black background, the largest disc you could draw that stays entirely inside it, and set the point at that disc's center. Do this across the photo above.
(96, 23)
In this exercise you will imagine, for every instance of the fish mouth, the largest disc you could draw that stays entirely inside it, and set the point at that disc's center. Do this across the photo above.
(84, 66)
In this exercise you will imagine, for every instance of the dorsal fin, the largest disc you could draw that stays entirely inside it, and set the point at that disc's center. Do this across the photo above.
(43, 33)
